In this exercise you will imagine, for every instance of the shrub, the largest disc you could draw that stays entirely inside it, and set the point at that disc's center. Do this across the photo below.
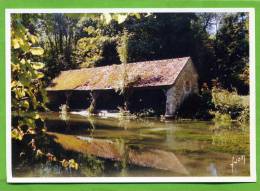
(197, 105)
(222, 120)
(244, 115)
(229, 104)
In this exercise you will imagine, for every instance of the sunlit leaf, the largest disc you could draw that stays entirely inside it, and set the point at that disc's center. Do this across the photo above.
(31, 131)
(89, 29)
(33, 38)
(23, 61)
(107, 18)
(25, 104)
(17, 134)
(65, 163)
(36, 116)
(37, 51)
(39, 75)
(20, 93)
(15, 67)
(137, 15)
(39, 153)
(73, 164)
(121, 18)
(37, 65)
(15, 43)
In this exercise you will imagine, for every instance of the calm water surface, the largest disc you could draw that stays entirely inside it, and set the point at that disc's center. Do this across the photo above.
(151, 147)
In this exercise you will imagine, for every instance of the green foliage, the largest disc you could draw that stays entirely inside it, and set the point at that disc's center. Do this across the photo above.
(123, 48)
(89, 50)
(244, 115)
(217, 43)
(222, 119)
(27, 91)
(91, 109)
(97, 45)
(64, 108)
(28, 95)
(120, 18)
(226, 102)
(232, 53)
(229, 105)
(58, 38)
(198, 106)
(17, 134)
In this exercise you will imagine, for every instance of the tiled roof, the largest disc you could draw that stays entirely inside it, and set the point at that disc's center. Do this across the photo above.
(141, 74)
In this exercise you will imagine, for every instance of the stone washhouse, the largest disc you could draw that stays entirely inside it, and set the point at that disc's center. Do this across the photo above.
(160, 84)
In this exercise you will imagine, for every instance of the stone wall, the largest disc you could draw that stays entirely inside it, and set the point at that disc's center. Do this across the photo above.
(186, 84)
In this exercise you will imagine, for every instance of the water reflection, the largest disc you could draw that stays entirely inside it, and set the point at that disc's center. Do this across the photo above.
(150, 147)
(213, 169)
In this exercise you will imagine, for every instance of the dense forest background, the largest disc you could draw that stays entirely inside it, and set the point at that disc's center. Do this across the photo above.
(217, 42)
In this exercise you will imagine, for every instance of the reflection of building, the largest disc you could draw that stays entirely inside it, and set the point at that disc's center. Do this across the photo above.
(161, 85)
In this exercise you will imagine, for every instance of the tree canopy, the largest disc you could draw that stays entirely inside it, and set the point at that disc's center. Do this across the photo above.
(217, 43)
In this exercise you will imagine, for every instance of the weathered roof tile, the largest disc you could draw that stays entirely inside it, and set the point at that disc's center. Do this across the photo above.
(146, 74)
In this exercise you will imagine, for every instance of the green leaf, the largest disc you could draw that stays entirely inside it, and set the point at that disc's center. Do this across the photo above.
(121, 18)
(20, 93)
(107, 17)
(39, 75)
(33, 38)
(73, 164)
(24, 80)
(15, 43)
(17, 134)
(38, 51)
(36, 116)
(137, 15)
(37, 65)
(25, 104)
(89, 29)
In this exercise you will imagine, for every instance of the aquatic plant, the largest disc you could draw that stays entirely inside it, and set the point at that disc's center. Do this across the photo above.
(91, 166)
(231, 142)
(222, 120)
(64, 112)
(146, 112)
(125, 114)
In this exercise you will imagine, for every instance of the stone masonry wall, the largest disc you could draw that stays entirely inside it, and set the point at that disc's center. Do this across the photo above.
(186, 84)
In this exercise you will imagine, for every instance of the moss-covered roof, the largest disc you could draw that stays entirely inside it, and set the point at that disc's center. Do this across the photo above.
(142, 74)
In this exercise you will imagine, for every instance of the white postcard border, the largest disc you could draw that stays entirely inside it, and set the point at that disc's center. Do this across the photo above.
(251, 178)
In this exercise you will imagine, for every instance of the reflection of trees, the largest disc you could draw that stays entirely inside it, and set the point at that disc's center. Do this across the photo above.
(235, 141)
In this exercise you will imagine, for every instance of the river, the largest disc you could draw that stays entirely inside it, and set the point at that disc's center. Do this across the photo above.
(146, 147)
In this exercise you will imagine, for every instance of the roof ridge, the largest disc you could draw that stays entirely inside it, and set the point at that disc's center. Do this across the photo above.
(107, 77)
(141, 62)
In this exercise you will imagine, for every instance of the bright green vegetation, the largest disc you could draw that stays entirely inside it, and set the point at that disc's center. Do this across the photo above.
(230, 105)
